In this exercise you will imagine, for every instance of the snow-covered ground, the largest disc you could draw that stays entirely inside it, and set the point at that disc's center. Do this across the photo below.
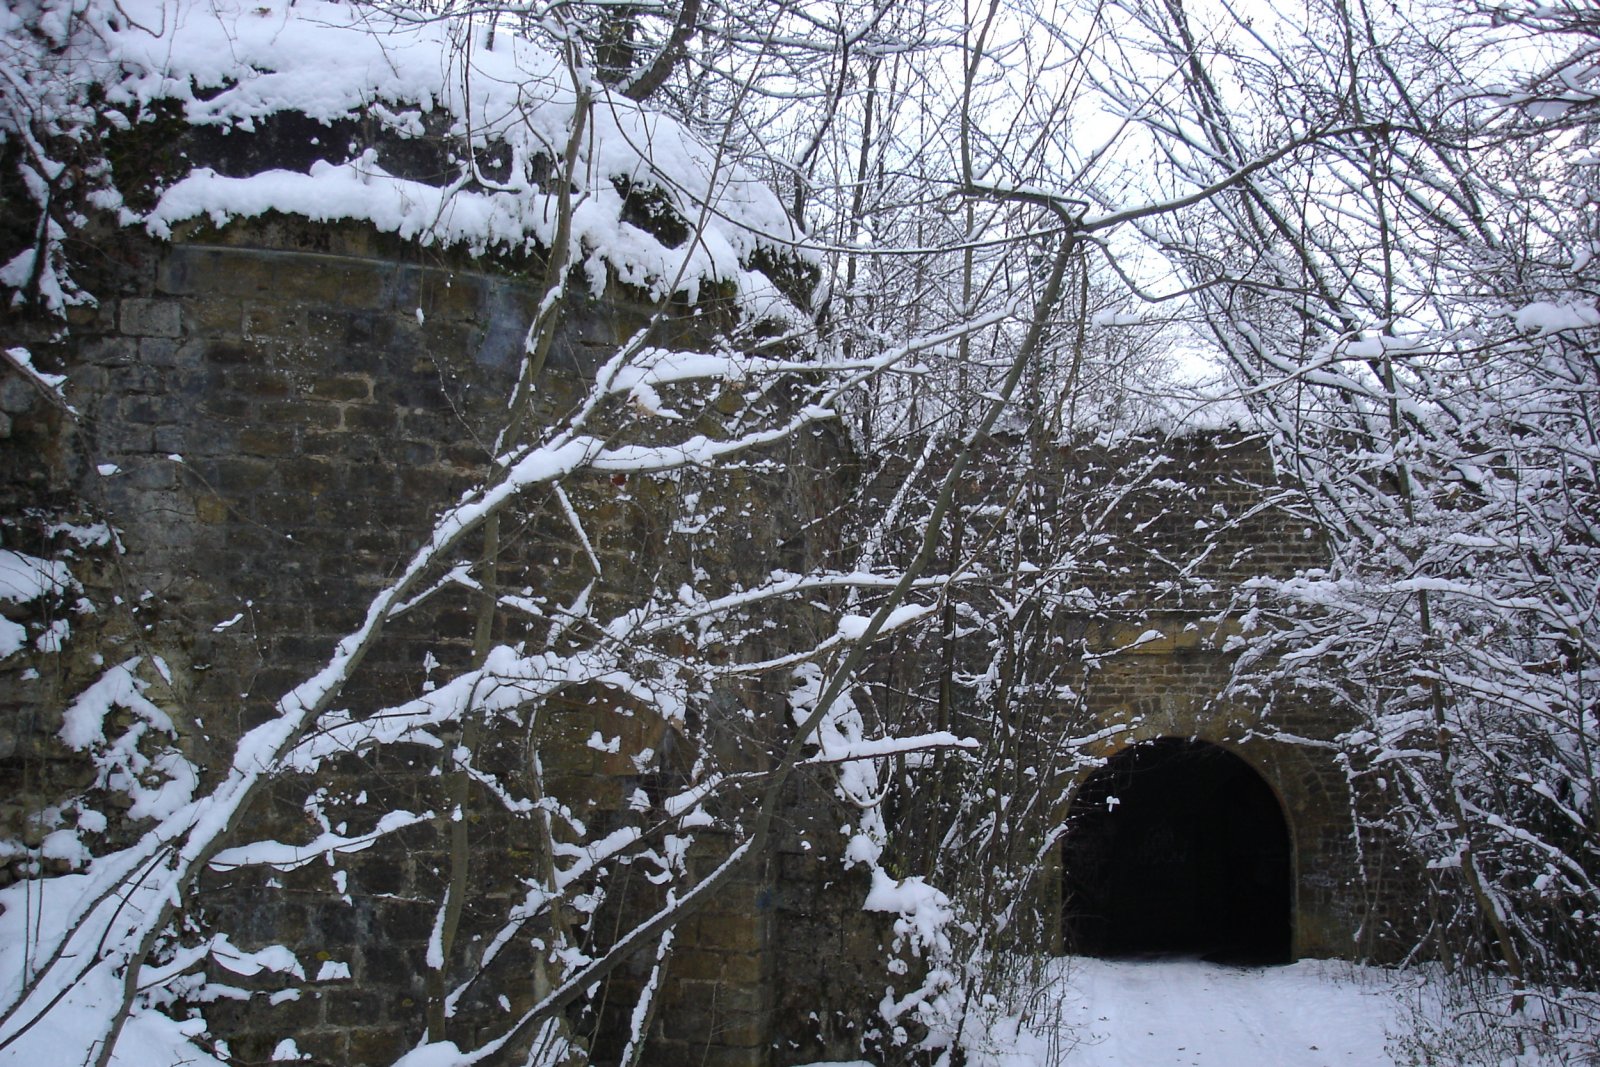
(1315, 1013)
(1176, 1011)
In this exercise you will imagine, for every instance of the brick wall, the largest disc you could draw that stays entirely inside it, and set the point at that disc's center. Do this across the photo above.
(1114, 579)
(282, 408)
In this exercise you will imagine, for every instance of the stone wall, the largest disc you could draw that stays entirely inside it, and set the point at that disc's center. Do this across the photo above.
(1224, 519)
(270, 416)
(1132, 639)
(1192, 533)
(1168, 688)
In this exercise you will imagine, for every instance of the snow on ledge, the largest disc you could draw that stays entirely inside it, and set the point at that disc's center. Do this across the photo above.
(233, 65)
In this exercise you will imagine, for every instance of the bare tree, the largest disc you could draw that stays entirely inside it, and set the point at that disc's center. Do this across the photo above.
(1408, 310)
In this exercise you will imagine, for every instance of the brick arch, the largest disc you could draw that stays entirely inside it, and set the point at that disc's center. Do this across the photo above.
(1275, 763)
(1146, 687)
(1194, 852)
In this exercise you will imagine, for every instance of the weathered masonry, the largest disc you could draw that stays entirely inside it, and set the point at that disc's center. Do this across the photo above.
(268, 420)
(1236, 814)
(1220, 835)
(1195, 815)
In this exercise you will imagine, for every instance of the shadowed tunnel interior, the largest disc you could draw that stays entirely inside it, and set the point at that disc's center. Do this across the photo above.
(1177, 846)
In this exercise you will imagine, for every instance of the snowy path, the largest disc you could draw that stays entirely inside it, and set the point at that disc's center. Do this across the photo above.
(1177, 1012)
(1136, 1013)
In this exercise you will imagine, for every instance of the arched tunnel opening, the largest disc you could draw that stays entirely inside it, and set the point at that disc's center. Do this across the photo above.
(1177, 846)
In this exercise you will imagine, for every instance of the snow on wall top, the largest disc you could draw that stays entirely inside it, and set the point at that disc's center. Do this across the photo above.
(230, 65)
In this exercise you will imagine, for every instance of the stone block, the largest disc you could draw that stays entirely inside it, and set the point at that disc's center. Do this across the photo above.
(211, 509)
(368, 420)
(428, 487)
(417, 454)
(156, 474)
(352, 283)
(350, 1006)
(177, 271)
(17, 397)
(688, 1015)
(407, 920)
(728, 931)
(122, 439)
(257, 441)
(153, 410)
(381, 875)
(168, 440)
(248, 1047)
(239, 273)
(382, 965)
(95, 317)
(346, 338)
(436, 428)
(274, 320)
(468, 457)
(328, 1047)
(141, 317)
(358, 453)
(227, 352)
(334, 615)
(342, 387)
(451, 295)
(311, 416)
(298, 1015)
(138, 379)
(109, 351)
(210, 316)
(741, 968)
(227, 407)
(160, 351)
(380, 1044)
(281, 510)
(425, 392)
(308, 477)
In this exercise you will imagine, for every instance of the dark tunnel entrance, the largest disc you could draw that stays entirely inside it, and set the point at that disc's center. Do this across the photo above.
(1177, 847)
